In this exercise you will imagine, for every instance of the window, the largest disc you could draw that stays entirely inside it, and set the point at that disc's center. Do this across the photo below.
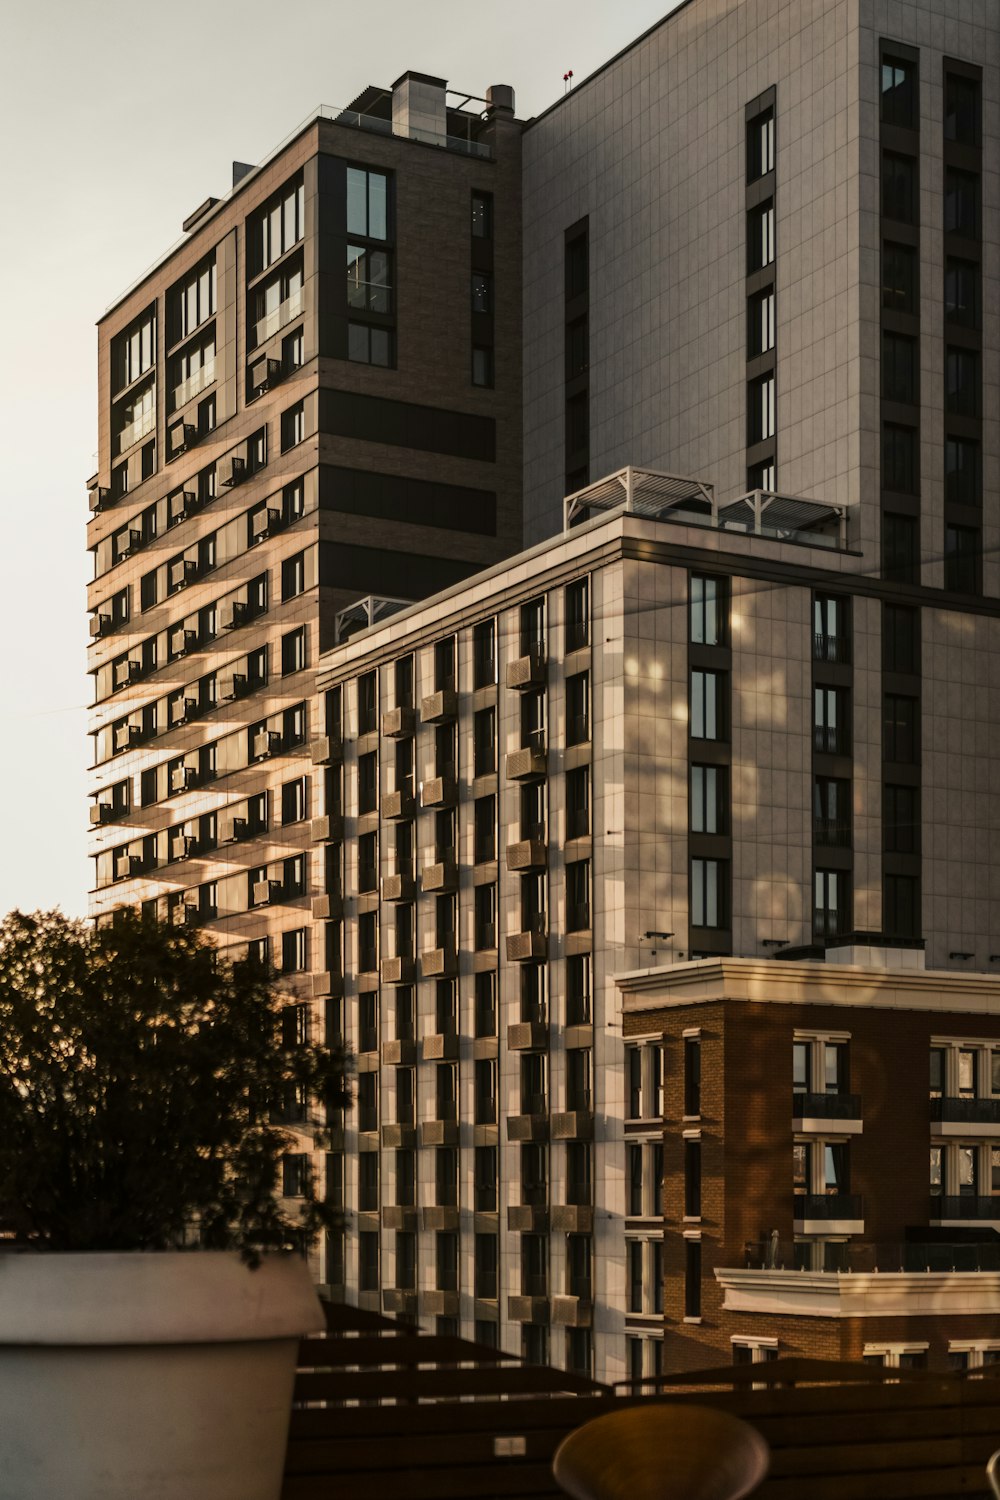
(578, 708)
(577, 803)
(962, 550)
(709, 799)
(293, 801)
(484, 742)
(134, 351)
(485, 917)
(578, 1002)
(577, 347)
(692, 1076)
(485, 1018)
(482, 216)
(368, 942)
(900, 547)
(760, 236)
(293, 575)
(961, 109)
(292, 351)
(899, 277)
(578, 895)
(276, 302)
(191, 302)
(294, 1174)
(831, 812)
(577, 614)
(190, 372)
(831, 729)
(896, 1356)
(692, 1278)
(692, 1179)
(577, 267)
(899, 92)
(831, 628)
(486, 1261)
(370, 346)
(482, 292)
(482, 365)
(899, 367)
(368, 1272)
(484, 654)
(961, 203)
(276, 227)
(760, 409)
(444, 664)
(899, 187)
(485, 1179)
(709, 610)
(962, 484)
(760, 146)
(900, 823)
(369, 276)
(368, 1182)
(709, 892)
(900, 638)
(829, 903)
(961, 292)
(901, 915)
(962, 382)
(760, 323)
(900, 729)
(368, 880)
(367, 203)
(293, 651)
(293, 426)
(763, 476)
(708, 705)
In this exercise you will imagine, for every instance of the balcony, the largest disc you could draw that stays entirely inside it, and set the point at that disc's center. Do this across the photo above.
(833, 1213)
(439, 963)
(277, 318)
(441, 1046)
(527, 1036)
(398, 805)
(573, 1311)
(964, 1208)
(523, 947)
(527, 854)
(528, 762)
(442, 876)
(955, 1116)
(834, 648)
(398, 723)
(193, 386)
(840, 1113)
(438, 707)
(439, 791)
(400, 970)
(401, 887)
(134, 432)
(573, 1125)
(529, 670)
(528, 1218)
(832, 833)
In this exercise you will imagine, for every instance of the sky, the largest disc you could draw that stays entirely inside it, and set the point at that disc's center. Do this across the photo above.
(117, 120)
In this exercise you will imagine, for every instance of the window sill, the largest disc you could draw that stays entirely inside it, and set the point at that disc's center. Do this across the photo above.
(692, 1320)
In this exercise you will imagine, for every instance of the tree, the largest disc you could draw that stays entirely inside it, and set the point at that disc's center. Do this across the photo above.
(145, 1092)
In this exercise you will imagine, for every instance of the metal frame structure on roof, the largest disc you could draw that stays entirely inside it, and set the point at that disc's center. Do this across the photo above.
(363, 613)
(643, 492)
(785, 517)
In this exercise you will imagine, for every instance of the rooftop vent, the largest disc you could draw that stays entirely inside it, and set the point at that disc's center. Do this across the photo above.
(241, 169)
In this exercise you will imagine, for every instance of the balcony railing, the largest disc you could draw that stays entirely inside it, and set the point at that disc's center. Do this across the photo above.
(368, 296)
(967, 1111)
(826, 1106)
(830, 740)
(845, 1257)
(828, 1206)
(831, 648)
(183, 393)
(832, 833)
(964, 1206)
(272, 321)
(378, 126)
(144, 423)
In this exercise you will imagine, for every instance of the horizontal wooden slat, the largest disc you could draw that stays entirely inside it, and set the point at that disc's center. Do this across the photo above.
(343, 1317)
(866, 1458)
(863, 1426)
(912, 1484)
(794, 1371)
(388, 1422)
(417, 1385)
(399, 1349)
(347, 1455)
(441, 1483)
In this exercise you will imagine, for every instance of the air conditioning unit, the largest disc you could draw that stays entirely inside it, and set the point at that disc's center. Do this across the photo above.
(101, 812)
(99, 498)
(126, 672)
(264, 374)
(237, 616)
(127, 735)
(235, 686)
(232, 471)
(265, 891)
(184, 914)
(182, 778)
(266, 742)
(182, 846)
(233, 830)
(183, 572)
(127, 865)
(183, 710)
(126, 543)
(264, 523)
(180, 437)
(100, 625)
(182, 641)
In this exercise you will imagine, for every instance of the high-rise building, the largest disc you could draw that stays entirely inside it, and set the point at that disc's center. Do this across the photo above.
(741, 719)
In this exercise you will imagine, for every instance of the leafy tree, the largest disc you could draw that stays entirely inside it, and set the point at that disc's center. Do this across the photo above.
(144, 1089)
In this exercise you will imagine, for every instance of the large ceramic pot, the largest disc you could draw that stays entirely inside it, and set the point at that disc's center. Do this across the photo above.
(148, 1376)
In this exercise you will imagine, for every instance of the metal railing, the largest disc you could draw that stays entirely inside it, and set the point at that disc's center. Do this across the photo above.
(194, 384)
(826, 1106)
(847, 1258)
(282, 314)
(828, 1206)
(835, 648)
(964, 1206)
(967, 1111)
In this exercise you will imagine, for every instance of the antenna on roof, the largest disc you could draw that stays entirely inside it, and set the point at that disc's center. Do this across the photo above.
(567, 81)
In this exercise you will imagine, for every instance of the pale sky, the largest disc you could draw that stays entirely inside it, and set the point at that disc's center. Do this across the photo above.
(117, 120)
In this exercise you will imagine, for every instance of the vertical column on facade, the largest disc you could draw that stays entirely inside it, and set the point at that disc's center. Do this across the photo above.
(577, 343)
(833, 768)
(710, 762)
(761, 284)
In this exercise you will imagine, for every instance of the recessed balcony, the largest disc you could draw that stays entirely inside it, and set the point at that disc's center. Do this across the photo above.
(957, 1116)
(826, 1113)
(829, 1213)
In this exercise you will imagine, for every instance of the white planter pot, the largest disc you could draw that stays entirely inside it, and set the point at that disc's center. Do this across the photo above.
(148, 1376)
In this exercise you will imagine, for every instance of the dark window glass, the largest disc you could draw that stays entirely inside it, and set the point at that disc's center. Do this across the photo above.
(760, 323)
(692, 1179)
(761, 412)
(709, 610)
(709, 799)
(709, 893)
(899, 277)
(578, 708)
(760, 236)
(899, 367)
(899, 92)
(899, 187)
(900, 826)
(961, 109)
(577, 422)
(830, 903)
(577, 347)
(962, 484)
(900, 548)
(831, 812)
(961, 292)
(900, 723)
(962, 551)
(901, 915)
(692, 1278)
(760, 145)
(899, 459)
(961, 203)
(831, 721)
(484, 654)
(692, 1075)
(482, 365)
(482, 292)
(577, 269)
(962, 381)
(578, 1003)
(577, 614)
(482, 216)
(900, 638)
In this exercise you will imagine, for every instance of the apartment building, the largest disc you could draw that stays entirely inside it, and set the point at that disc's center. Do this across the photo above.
(744, 716)
(829, 1135)
(315, 393)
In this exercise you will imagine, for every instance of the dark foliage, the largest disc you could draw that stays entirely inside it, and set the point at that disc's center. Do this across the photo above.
(143, 1083)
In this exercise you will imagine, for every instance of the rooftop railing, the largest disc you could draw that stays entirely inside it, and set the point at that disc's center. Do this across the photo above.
(846, 1258)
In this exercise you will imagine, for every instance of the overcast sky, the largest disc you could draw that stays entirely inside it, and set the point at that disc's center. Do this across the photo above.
(117, 120)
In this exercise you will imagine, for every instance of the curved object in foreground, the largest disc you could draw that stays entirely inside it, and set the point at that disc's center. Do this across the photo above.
(127, 1375)
(662, 1452)
(993, 1473)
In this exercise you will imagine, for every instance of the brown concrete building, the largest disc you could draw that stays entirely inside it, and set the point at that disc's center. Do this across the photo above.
(830, 1148)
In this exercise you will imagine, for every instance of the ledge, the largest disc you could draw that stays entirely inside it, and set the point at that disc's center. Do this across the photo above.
(878, 1294)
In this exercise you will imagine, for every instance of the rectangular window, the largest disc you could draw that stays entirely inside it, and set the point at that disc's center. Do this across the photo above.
(899, 367)
(899, 277)
(578, 708)
(831, 628)
(831, 725)
(962, 381)
(961, 203)
(961, 109)
(482, 292)
(482, 215)
(293, 651)
(900, 729)
(709, 892)
(830, 903)
(293, 801)
(760, 236)
(367, 345)
(760, 146)
(692, 1278)
(692, 1179)
(578, 803)
(763, 476)
(191, 302)
(367, 203)
(899, 187)
(831, 812)
(900, 467)
(900, 547)
(709, 610)
(578, 1003)
(962, 551)
(293, 575)
(482, 365)
(961, 292)
(901, 916)
(708, 705)
(900, 825)
(760, 323)
(962, 481)
(293, 426)
(709, 799)
(485, 830)
(899, 92)
(578, 895)
(900, 638)
(369, 279)
(760, 409)
(484, 654)
(692, 1076)
(485, 1179)
(577, 614)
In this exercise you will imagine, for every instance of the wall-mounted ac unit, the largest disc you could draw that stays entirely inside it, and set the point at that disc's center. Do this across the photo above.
(235, 616)
(183, 572)
(234, 686)
(99, 498)
(101, 812)
(126, 543)
(266, 742)
(127, 735)
(182, 846)
(126, 672)
(233, 830)
(265, 891)
(100, 625)
(232, 471)
(182, 641)
(182, 778)
(265, 523)
(185, 914)
(180, 437)
(127, 865)
(264, 374)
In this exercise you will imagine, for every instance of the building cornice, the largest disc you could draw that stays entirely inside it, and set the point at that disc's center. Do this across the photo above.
(879, 1294)
(772, 982)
